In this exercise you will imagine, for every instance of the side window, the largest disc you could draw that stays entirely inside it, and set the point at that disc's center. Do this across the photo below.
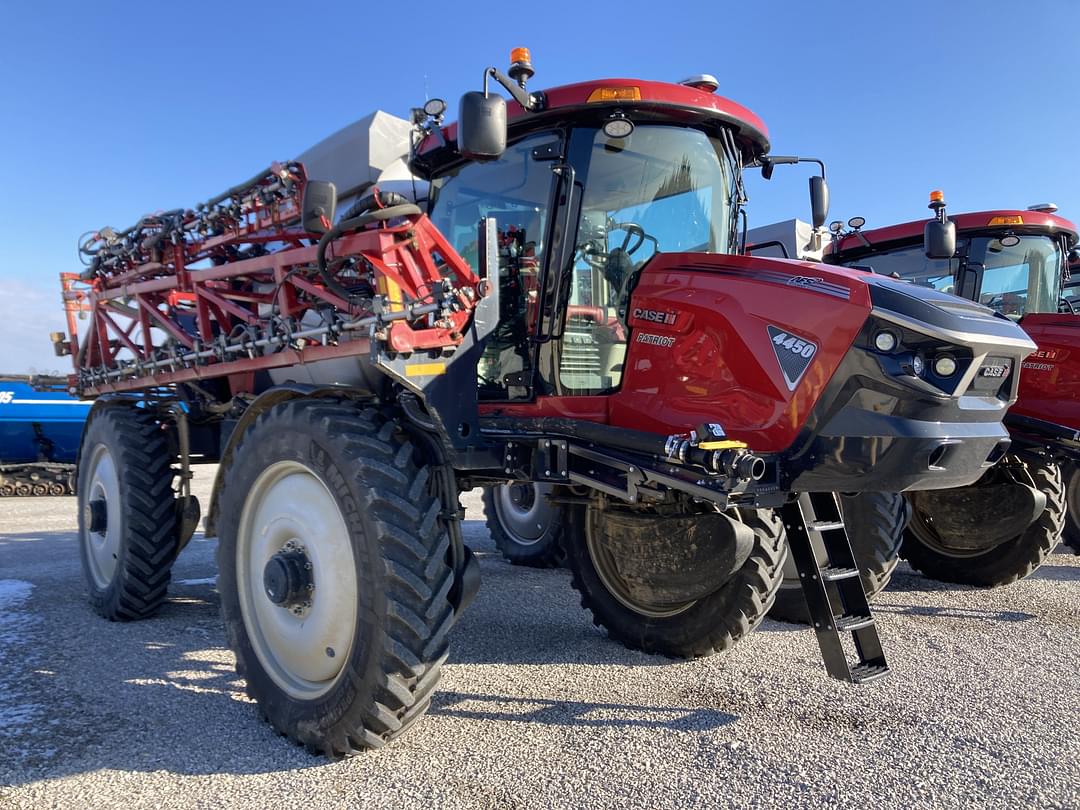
(516, 191)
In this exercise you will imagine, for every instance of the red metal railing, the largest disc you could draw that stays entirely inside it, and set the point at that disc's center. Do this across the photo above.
(234, 287)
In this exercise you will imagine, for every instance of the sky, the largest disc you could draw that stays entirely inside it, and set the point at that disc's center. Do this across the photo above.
(109, 110)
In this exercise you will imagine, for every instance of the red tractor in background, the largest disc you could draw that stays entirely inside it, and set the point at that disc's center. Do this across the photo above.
(1071, 304)
(1015, 262)
(568, 307)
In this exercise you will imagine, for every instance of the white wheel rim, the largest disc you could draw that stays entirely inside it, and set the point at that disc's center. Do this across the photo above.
(527, 518)
(103, 548)
(303, 649)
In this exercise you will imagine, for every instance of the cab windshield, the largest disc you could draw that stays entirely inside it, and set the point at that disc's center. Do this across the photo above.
(661, 189)
(1020, 274)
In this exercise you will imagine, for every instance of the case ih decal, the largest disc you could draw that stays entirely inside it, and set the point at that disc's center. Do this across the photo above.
(656, 316)
(792, 353)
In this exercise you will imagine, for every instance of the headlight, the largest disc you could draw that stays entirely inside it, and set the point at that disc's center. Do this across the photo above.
(885, 341)
(945, 365)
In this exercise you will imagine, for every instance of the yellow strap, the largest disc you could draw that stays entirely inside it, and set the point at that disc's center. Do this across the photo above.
(724, 444)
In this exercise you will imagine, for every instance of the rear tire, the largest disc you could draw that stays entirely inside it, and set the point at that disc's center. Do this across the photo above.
(128, 532)
(875, 522)
(1071, 534)
(709, 625)
(1003, 564)
(351, 662)
(526, 528)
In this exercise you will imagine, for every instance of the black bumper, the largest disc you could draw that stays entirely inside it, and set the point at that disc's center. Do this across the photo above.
(879, 426)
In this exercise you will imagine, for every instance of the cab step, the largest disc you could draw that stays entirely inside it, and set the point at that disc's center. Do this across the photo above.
(834, 593)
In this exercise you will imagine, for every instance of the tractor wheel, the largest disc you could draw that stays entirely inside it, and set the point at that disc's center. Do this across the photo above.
(526, 528)
(875, 523)
(1004, 563)
(334, 574)
(128, 533)
(701, 627)
(1071, 535)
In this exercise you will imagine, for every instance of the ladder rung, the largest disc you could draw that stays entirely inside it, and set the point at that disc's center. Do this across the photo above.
(865, 673)
(826, 525)
(834, 573)
(850, 623)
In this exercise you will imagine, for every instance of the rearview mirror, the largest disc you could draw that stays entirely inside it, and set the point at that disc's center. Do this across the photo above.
(819, 200)
(939, 239)
(481, 133)
(319, 206)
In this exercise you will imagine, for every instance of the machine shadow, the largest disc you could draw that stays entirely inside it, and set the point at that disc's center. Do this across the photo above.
(953, 612)
(84, 684)
(474, 706)
(16, 539)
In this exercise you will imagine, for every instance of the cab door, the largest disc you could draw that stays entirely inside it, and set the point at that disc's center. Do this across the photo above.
(517, 190)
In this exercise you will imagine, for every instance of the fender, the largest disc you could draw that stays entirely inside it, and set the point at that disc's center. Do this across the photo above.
(262, 403)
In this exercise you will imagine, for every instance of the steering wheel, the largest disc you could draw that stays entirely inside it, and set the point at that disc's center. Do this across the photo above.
(632, 230)
(1065, 304)
(595, 252)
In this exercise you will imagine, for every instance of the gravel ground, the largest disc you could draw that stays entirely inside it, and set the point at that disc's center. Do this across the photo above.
(537, 708)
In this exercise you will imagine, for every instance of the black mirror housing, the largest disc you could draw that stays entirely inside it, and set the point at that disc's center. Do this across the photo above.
(939, 239)
(319, 206)
(819, 201)
(481, 133)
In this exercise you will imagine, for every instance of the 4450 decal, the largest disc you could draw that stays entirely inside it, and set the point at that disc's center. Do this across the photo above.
(792, 353)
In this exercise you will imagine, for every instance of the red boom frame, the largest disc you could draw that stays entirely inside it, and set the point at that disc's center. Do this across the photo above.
(180, 301)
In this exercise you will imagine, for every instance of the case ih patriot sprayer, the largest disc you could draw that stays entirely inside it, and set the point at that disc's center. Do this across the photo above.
(1015, 262)
(566, 308)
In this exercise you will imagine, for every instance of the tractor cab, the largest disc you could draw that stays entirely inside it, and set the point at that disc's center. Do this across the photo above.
(587, 183)
(1014, 262)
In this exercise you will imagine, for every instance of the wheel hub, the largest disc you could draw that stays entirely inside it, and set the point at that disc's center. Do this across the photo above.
(97, 515)
(523, 496)
(287, 577)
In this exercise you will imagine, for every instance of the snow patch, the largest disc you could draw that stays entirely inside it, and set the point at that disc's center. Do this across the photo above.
(16, 627)
(14, 592)
(203, 581)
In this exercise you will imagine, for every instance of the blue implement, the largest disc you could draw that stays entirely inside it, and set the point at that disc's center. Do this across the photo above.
(40, 429)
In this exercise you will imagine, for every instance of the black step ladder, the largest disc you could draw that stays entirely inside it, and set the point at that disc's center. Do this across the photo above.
(834, 592)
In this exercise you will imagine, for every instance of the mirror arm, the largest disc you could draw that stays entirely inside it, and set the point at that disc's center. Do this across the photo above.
(530, 102)
(768, 163)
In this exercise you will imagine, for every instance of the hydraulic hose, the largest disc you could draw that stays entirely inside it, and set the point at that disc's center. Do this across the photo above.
(354, 224)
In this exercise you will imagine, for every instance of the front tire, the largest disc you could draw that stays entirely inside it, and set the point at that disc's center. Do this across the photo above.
(708, 625)
(525, 526)
(1004, 563)
(128, 531)
(1071, 534)
(334, 574)
(875, 523)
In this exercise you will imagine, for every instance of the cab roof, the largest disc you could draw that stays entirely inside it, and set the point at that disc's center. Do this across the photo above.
(1030, 222)
(677, 103)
